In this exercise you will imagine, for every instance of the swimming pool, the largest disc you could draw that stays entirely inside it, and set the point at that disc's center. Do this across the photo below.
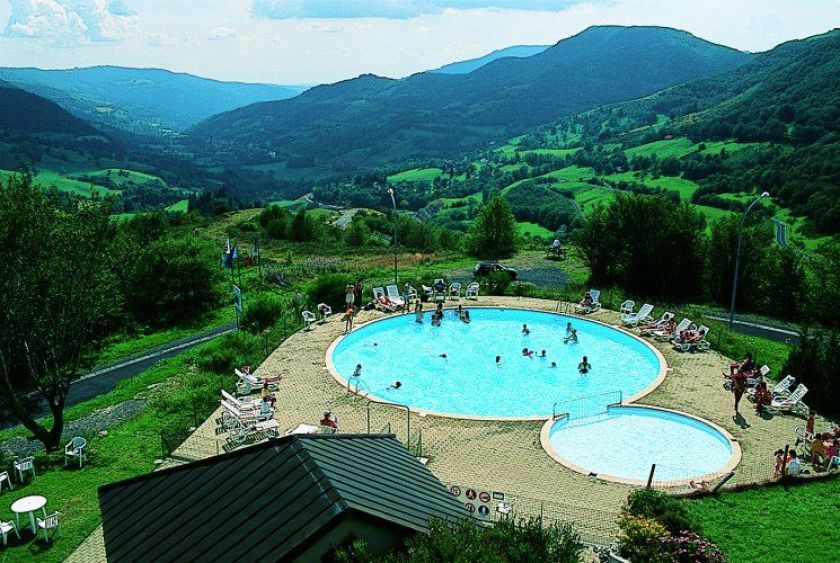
(468, 383)
(622, 443)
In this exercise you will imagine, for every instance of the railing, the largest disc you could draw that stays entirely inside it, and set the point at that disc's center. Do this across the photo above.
(372, 402)
(590, 405)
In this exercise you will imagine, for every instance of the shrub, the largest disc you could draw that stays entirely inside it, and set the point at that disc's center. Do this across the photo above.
(496, 283)
(689, 547)
(655, 505)
(816, 363)
(262, 313)
(640, 539)
(217, 360)
(329, 289)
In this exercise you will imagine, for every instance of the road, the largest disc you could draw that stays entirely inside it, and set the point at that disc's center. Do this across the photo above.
(105, 378)
(781, 233)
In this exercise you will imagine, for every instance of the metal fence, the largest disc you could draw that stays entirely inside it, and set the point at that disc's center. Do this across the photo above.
(590, 405)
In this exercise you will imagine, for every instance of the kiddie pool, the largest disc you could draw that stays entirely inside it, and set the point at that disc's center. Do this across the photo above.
(623, 442)
(468, 383)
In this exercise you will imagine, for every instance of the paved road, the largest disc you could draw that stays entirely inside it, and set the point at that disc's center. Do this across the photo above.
(781, 233)
(105, 378)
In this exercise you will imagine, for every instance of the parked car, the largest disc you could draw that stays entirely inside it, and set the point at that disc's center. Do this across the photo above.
(487, 268)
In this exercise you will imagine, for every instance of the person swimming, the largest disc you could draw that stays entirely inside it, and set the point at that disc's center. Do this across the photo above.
(393, 386)
(358, 371)
(554, 364)
(526, 352)
(584, 366)
(498, 360)
(542, 354)
(569, 328)
(525, 330)
(571, 336)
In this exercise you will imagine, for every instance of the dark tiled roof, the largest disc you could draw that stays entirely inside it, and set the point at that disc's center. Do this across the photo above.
(263, 502)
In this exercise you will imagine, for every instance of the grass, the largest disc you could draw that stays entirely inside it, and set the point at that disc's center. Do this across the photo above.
(796, 524)
(122, 176)
(416, 175)
(49, 178)
(685, 188)
(533, 229)
(182, 206)
(557, 153)
(678, 147)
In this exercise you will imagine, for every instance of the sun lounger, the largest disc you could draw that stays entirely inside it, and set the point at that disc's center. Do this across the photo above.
(472, 291)
(664, 335)
(393, 294)
(695, 342)
(647, 330)
(249, 403)
(792, 403)
(642, 315)
(249, 382)
(592, 307)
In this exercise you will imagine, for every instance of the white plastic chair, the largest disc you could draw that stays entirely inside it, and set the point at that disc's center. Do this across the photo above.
(23, 466)
(308, 319)
(472, 291)
(325, 311)
(51, 522)
(5, 528)
(4, 477)
(75, 449)
(627, 307)
(455, 291)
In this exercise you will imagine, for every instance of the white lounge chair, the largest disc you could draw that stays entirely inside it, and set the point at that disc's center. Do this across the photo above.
(455, 291)
(75, 450)
(394, 296)
(233, 417)
(472, 291)
(248, 382)
(627, 308)
(594, 294)
(664, 335)
(51, 522)
(647, 330)
(642, 315)
(248, 404)
(700, 344)
(325, 311)
(308, 319)
(792, 403)
(782, 388)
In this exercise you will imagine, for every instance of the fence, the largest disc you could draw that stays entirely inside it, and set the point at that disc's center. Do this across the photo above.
(590, 405)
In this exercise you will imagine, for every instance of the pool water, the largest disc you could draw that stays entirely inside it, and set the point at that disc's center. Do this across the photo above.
(469, 383)
(623, 443)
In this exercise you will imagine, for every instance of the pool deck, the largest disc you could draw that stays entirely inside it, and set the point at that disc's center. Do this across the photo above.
(502, 455)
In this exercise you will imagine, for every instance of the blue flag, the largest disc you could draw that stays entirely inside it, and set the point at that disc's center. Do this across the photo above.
(234, 255)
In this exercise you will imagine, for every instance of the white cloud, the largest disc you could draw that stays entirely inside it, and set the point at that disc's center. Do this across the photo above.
(395, 9)
(70, 22)
(157, 40)
(222, 33)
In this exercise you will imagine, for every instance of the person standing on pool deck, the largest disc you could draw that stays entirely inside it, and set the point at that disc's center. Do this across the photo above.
(739, 385)
(350, 296)
(584, 366)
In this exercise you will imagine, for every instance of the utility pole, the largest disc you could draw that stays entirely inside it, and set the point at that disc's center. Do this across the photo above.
(738, 258)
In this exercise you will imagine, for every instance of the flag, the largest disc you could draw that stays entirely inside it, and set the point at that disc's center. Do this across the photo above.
(256, 249)
(234, 255)
(227, 246)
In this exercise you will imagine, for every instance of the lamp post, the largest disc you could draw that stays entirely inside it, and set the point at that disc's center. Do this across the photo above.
(394, 203)
(738, 257)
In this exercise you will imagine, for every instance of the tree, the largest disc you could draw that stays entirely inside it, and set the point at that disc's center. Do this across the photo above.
(55, 289)
(303, 228)
(493, 235)
(173, 280)
(261, 314)
(357, 234)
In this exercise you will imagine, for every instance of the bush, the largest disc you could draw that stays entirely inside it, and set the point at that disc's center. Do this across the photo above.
(217, 360)
(689, 547)
(496, 283)
(262, 313)
(816, 363)
(640, 539)
(665, 509)
(329, 289)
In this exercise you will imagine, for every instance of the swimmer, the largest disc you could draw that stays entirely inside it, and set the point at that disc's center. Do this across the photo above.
(358, 371)
(584, 366)
(542, 354)
(568, 328)
(394, 385)
(571, 337)
(466, 317)
(525, 330)
(498, 360)
(529, 353)
(443, 356)
(554, 364)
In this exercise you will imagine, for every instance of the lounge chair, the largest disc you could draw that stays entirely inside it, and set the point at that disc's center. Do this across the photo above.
(642, 315)
(325, 311)
(593, 307)
(455, 291)
(75, 450)
(627, 307)
(664, 335)
(803, 435)
(792, 403)
(394, 296)
(647, 330)
(232, 417)
(308, 319)
(780, 389)
(472, 291)
(247, 404)
(696, 342)
(249, 382)
(380, 298)
(439, 290)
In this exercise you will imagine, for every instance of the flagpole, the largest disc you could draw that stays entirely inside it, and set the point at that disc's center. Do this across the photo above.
(238, 267)
(259, 258)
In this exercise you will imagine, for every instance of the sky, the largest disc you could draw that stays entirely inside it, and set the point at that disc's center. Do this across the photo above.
(322, 41)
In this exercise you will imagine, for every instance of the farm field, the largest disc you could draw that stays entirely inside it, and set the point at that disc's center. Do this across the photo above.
(50, 178)
(685, 188)
(416, 175)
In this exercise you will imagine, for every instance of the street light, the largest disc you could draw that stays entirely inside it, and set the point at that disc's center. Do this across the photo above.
(738, 258)
(394, 203)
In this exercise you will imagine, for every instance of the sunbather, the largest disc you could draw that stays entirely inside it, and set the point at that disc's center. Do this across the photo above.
(268, 396)
(385, 303)
(586, 301)
(818, 449)
(667, 327)
(762, 396)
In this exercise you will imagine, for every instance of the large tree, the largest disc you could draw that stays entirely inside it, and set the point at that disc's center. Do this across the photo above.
(55, 287)
(493, 235)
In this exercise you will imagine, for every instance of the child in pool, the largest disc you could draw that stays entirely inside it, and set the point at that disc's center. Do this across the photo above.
(542, 354)
(584, 366)
(526, 352)
(554, 364)
(571, 336)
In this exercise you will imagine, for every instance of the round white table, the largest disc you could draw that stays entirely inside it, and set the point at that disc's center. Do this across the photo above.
(28, 505)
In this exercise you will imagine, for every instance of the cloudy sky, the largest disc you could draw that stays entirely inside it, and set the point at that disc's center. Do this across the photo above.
(314, 41)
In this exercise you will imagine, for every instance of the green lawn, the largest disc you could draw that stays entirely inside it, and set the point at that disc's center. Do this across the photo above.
(662, 149)
(182, 206)
(558, 153)
(794, 524)
(685, 188)
(416, 175)
(49, 178)
(121, 176)
(533, 229)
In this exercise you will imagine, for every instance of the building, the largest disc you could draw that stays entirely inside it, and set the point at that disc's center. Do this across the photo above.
(290, 499)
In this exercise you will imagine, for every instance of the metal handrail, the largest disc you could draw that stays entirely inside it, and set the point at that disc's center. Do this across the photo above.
(398, 405)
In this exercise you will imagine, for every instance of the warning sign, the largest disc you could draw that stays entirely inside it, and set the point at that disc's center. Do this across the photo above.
(480, 504)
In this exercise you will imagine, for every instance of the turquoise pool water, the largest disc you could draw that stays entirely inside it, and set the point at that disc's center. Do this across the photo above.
(625, 441)
(469, 383)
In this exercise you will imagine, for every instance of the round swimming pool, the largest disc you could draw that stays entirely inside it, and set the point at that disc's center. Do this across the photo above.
(468, 383)
(622, 443)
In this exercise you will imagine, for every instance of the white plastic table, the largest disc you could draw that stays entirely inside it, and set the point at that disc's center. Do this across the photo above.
(28, 505)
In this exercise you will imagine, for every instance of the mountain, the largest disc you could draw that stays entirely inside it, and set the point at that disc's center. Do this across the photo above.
(22, 112)
(368, 121)
(517, 51)
(141, 100)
